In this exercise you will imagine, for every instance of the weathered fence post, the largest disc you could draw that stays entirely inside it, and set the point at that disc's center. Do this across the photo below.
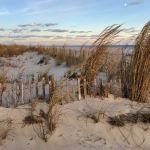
(106, 88)
(79, 91)
(55, 82)
(50, 90)
(30, 91)
(111, 87)
(22, 85)
(83, 55)
(43, 87)
(73, 89)
(7, 94)
(120, 88)
(95, 82)
(0, 94)
(75, 54)
(15, 94)
(116, 88)
(68, 97)
(62, 101)
(52, 82)
(85, 93)
(100, 88)
(36, 89)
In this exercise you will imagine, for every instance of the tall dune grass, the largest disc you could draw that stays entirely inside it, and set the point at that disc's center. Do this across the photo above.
(136, 74)
(99, 52)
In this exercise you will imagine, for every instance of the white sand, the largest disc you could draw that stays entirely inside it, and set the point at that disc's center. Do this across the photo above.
(74, 130)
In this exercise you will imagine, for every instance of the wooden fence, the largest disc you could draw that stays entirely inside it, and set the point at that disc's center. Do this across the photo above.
(68, 90)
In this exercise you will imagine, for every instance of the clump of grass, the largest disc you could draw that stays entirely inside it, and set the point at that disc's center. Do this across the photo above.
(112, 64)
(3, 76)
(45, 75)
(134, 118)
(96, 115)
(136, 74)
(46, 121)
(40, 49)
(61, 55)
(68, 60)
(4, 130)
(99, 50)
(32, 75)
(41, 60)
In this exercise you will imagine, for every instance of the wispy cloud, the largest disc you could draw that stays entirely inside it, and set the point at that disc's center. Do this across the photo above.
(134, 3)
(80, 31)
(81, 36)
(59, 30)
(25, 25)
(35, 30)
(4, 13)
(94, 36)
(2, 29)
(16, 31)
(26, 36)
(58, 37)
(50, 24)
(130, 30)
(39, 24)
(56, 30)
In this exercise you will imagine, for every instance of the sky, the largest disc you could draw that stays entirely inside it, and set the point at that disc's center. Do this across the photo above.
(74, 22)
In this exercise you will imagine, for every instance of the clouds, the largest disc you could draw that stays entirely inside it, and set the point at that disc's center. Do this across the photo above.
(4, 12)
(25, 25)
(2, 29)
(26, 36)
(81, 36)
(56, 30)
(16, 31)
(38, 24)
(50, 24)
(35, 30)
(134, 3)
(80, 31)
(130, 30)
(59, 30)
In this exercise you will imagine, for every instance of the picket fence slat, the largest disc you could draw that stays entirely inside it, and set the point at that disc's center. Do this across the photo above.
(43, 87)
(30, 91)
(50, 90)
(15, 94)
(22, 85)
(106, 88)
(65, 97)
(95, 83)
(85, 93)
(116, 90)
(36, 89)
(0, 94)
(62, 92)
(7, 95)
(120, 95)
(73, 89)
(111, 87)
(68, 97)
(79, 91)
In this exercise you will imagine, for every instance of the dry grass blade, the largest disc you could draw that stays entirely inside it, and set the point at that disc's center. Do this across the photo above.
(135, 72)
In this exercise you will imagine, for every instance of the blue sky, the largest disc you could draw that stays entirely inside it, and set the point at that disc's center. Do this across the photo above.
(73, 22)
